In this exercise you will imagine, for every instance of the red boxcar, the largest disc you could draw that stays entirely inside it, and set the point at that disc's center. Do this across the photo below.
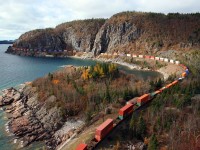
(124, 111)
(143, 99)
(152, 57)
(169, 85)
(104, 129)
(158, 91)
(146, 56)
(81, 147)
(175, 82)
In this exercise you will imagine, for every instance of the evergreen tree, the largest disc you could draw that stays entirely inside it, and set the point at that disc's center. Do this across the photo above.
(128, 94)
(141, 127)
(107, 94)
(50, 76)
(68, 79)
(153, 143)
(132, 125)
(159, 83)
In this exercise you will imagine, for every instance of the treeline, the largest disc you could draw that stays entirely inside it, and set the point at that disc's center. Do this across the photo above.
(154, 14)
(74, 22)
(6, 42)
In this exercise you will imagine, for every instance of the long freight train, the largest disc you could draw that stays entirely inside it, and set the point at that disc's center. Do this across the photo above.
(106, 127)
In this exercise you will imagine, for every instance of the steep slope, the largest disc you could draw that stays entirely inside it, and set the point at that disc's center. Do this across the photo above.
(133, 32)
(148, 32)
(79, 35)
(40, 39)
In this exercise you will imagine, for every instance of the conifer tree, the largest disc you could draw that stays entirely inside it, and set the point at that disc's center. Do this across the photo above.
(141, 127)
(132, 125)
(153, 143)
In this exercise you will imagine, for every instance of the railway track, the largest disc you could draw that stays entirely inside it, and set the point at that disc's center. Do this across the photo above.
(142, 102)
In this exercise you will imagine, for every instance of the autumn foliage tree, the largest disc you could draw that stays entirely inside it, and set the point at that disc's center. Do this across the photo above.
(100, 70)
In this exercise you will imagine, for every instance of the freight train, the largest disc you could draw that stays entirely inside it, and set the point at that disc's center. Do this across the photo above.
(106, 127)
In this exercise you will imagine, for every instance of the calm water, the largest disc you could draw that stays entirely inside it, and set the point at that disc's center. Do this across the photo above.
(15, 70)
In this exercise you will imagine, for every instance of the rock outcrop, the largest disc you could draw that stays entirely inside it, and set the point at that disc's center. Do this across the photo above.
(79, 35)
(29, 119)
(132, 32)
(148, 32)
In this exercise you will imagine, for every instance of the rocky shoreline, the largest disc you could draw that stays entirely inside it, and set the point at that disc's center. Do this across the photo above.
(30, 120)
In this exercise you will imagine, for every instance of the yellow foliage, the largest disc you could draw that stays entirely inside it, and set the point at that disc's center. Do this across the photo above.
(99, 70)
(111, 68)
(55, 81)
(85, 75)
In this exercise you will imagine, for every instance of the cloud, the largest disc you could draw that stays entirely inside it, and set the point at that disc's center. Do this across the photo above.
(17, 17)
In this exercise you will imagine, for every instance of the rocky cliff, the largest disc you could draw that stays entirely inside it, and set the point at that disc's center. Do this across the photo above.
(79, 35)
(132, 32)
(31, 120)
(148, 32)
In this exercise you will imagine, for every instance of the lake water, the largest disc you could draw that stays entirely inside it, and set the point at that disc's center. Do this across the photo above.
(15, 70)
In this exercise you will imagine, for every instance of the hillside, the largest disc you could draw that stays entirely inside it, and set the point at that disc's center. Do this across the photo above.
(52, 108)
(130, 32)
(171, 120)
(149, 32)
(79, 35)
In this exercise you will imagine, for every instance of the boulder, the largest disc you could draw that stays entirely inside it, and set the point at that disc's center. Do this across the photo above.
(7, 100)
(17, 96)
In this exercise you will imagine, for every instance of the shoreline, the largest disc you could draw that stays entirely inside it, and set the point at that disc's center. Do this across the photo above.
(89, 56)
(125, 64)
(117, 60)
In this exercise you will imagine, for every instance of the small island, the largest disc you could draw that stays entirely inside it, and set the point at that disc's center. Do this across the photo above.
(7, 42)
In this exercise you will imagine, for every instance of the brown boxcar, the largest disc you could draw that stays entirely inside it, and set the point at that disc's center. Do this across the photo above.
(81, 146)
(104, 129)
(143, 99)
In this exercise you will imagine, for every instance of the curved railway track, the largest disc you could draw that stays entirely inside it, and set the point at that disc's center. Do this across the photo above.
(141, 103)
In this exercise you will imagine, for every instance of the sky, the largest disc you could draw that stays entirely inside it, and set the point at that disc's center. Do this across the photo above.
(20, 16)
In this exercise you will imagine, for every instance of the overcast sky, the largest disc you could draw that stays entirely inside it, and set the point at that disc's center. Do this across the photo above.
(19, 16)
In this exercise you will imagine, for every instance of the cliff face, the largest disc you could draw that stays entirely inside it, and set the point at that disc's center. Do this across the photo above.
(78, 35)
(39, 39)
(124, 32)
(148, 32)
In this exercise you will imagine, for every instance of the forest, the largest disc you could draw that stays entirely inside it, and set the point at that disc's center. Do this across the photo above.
(172, 120)
(88, 90)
